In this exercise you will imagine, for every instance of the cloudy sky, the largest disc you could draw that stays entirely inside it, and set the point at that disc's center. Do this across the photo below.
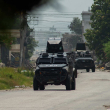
(58, 14)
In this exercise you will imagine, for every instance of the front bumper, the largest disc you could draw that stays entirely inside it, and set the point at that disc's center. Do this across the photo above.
(53, 76)
(84, 65)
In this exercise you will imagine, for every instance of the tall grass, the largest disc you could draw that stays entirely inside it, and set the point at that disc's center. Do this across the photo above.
(28, 73)
(11, 77)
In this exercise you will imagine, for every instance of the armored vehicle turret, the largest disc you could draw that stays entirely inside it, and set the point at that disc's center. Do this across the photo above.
(54, 45)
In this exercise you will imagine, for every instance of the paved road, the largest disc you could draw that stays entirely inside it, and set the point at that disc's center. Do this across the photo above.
(92, 93)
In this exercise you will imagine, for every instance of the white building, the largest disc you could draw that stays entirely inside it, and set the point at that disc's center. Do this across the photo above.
(85, 22)
(86, 25)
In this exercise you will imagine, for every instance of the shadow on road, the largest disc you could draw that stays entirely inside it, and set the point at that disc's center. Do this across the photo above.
(55, 90)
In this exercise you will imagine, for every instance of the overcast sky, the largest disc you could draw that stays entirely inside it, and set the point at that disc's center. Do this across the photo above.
(59, 14)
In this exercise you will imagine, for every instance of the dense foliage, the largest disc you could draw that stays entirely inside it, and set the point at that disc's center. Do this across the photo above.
(31, 44)
(107, 51)
(10, 13)
(6, 40)
(100, 27)
(76, 26)
(5, 35)
(10, 8)
(73, 40)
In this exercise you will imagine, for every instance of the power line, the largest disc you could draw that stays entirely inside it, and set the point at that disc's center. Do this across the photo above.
(58, 16)
(53, 17)
(51, 21)
(59, 12)
(49, 27)
(52, 14)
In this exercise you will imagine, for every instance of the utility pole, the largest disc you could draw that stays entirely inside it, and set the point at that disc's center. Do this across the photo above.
(22, 38)
(37, 20)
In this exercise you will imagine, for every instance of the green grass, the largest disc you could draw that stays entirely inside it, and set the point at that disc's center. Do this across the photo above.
(11, 77)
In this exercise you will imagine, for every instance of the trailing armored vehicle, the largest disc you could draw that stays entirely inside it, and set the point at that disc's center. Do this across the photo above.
(83, 58)
(54, 67)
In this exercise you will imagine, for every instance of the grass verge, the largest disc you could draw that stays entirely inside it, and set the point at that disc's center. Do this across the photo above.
(11, 77)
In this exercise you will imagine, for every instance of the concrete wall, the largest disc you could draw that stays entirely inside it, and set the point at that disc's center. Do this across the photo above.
(12, 33)
(85, 22)
(15, 47)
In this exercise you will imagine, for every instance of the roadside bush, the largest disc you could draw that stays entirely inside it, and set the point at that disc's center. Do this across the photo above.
(11, 77)
(28, 73)
(107, 51)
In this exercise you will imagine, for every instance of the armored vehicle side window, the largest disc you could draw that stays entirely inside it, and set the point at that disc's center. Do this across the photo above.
(59, 61)
(45, 60)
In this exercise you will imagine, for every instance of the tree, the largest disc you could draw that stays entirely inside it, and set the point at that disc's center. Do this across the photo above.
(76, 26)
(107, 51)
(74, 40)
(6, 40)
(11, 10)
(30, 44)
(100, 26)
(5, 34)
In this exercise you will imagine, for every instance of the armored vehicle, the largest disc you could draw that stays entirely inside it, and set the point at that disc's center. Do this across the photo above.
(83, 58)
(54, 67)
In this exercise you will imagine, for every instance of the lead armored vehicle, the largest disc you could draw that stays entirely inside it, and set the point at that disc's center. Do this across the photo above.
(53, 67)
(83, 58)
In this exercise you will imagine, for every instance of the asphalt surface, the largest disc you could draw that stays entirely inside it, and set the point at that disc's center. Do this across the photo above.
(92, 93)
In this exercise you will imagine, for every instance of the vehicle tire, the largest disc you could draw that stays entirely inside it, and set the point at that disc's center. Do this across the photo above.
(42, 87)
(75, 72)
(69, 83)
(87, 69)
(35, 84)
(93, 69)
(73, 83)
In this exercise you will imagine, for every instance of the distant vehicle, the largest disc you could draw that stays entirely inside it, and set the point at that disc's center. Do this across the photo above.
(54, 67)
(85, 63)
(83, 59)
